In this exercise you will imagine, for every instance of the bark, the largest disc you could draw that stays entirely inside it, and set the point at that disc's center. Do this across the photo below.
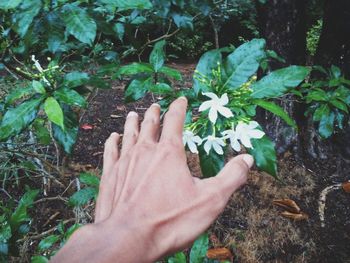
(283, 24)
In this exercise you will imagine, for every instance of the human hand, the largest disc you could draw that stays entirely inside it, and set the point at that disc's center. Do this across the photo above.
(149, 204)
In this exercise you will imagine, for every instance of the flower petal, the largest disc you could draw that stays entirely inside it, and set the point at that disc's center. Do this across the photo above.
(236, 145)
(245, 140)
(213, 115)
(256, 134)
(207, 146)
(224, 99)
(205, 105)
(226, 112)
(217, 148)
(197, 140)
(192, 146)
(210, 95)
(252, 125)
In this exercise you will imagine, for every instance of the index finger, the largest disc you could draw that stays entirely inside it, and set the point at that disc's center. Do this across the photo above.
(174, 121)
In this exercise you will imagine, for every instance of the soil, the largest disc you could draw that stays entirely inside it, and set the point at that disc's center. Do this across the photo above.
(250, 226)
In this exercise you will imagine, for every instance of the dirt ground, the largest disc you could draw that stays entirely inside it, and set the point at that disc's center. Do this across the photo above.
(251, 226)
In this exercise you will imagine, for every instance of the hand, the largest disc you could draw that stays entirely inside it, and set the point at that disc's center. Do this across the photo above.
(149, 204)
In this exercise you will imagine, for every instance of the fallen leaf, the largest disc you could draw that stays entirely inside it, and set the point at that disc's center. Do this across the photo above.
(346, 187)
(219, 254)
(87, 126)
(287, 204)
(295, 216)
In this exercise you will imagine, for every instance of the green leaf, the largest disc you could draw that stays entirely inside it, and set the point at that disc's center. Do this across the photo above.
(336, 73)
(138, 89)
(161, 88)
(119, 29)
(48, 242)
(39, 259)
(133, 68)
(316, 95)
(343, 93)
(68, 136)
(5, 232)
(9, 4)
(242, 63)
(20, 214)
(4, 249)
(70, 97)
(320, 111)
(41, 132)
(75, 79)
(326, 125)
(135, 4)
(178, 258)
(279, 82)
(71, 230)
(18, 93)
(199, 249)
(277, 110)
(79, 23)
(89, 179)
(205, 66)
(170, 72)
(83, 196)
(183, 21)
(23, 18)
(340, 105)
(210, 164)
(16, 119)
(157, 56)
(264, 154)
(38, 87)
(54, 111)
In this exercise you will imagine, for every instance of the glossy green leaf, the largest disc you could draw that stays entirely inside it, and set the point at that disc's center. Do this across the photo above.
(9, 4)
(138, 89)
(75, 79)
(25, 15)
(41, 132)
(157, 56)
(68, 136)
(336, 73)
(83, 196)
(39, 259)
(326, 125)
(210, 164)
(183, 21)
(199, 249)
(89, 179)
(279, 82)
(170, 72)
(5, 231)
(340, 105)
(242, 63)
(316, 95)
(70, 97)
(54, 111)
(135, 4)
(179, 257)
(119, 29)
(17, 94)
(48, 242)
(79, 23)
(18, 118)
(134, 68)
(206, 64)
(161, 88)
(321, 111)
(264, 154)
(343, 93)
(277, 110)
(38, 87)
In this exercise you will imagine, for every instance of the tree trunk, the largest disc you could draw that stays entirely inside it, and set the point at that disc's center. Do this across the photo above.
(333, 49)
(283, 24)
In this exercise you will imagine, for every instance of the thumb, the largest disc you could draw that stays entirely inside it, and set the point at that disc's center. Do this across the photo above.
(232, 176)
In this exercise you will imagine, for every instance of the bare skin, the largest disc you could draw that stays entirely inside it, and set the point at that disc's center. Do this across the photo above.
(149, 204)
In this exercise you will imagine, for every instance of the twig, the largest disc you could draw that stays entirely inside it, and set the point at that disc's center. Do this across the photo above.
(322, 201)
(3, 190)
(51, 199)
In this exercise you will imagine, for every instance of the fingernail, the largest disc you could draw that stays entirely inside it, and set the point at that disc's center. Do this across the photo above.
(131, 114)
(183, 98)
(155, 105)
(114, 134)
(249, 160)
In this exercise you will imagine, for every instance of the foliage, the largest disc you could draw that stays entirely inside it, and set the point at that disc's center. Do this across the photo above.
(14, 223)
(83, 196)
(52, 243)
(328, 100)
(313, 37)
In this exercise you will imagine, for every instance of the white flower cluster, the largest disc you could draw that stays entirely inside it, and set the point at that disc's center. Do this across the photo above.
(242, 134)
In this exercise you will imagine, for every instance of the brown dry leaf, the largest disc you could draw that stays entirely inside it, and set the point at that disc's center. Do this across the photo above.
(219, 254)
(287, 204)
(346, 187)
(295, 216)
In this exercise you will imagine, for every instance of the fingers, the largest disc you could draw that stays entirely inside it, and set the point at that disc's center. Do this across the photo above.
(109, 178)
(174, 121)
(150, 125)
(232, 176)
(131, 132)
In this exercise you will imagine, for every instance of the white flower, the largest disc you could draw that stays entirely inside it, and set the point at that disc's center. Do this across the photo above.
(215, 143)
(244, 133)
(37, 64)
(191, 140)
(216, 105)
